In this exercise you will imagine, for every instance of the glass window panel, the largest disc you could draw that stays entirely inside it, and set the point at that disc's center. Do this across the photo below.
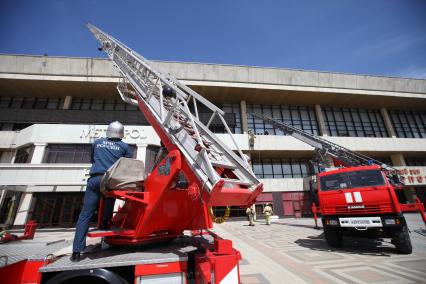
(76, 103)
(295, 168)
(5, 102)
(97, 104)
(28, 103)
(53, 104)
(267, 168)
(17, 102)
(109, 105)
(408, 124)
(298, 116)
(354, 122)
(286, 168)
(67, 153)
(85, 104)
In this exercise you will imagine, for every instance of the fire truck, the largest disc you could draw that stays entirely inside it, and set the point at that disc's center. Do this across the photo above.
(356, 193)
(162, 232)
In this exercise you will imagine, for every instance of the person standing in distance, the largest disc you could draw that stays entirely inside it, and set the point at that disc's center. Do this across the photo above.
(250, 214)
(105, 152)
(268, 213)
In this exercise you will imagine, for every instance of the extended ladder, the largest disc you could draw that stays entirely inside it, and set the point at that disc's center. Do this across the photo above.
(210, 159)
(324, 147)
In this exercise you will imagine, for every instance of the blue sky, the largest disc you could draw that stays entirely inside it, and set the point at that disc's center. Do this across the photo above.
(382, 37)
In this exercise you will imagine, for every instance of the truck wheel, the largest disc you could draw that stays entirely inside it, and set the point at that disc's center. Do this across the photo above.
(401, 240)
(333, 237)
(97, 275)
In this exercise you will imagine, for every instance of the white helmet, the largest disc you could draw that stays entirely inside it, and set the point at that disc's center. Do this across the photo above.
(115, 130)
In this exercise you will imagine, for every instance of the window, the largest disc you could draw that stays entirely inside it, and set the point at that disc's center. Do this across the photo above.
(347, 180)
(232, 117)
(134, 150)
(409, 124)
(13, 126)
(354, 122)
(281, 168)
(30, 103)
(99, 104)
(5, 102)
(68, 153)
(73, 153)
(298, 116)
(415, 161)
(24, 155)
(6, 126)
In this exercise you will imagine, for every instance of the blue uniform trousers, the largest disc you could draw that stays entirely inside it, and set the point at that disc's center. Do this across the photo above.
(90, 204)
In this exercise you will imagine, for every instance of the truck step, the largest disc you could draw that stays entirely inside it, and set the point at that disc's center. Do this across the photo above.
(107, 233)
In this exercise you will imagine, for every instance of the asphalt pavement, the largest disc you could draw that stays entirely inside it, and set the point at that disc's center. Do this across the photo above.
(292, 251)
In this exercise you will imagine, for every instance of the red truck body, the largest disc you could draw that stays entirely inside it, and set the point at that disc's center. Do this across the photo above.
(378, 199)
(362, 200)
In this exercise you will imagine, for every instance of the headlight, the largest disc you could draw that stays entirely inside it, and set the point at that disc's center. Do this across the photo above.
(332, 222)
(390, 221)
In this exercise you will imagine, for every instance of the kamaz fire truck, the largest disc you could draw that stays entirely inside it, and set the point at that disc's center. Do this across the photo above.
(161, 233)
(356, 193)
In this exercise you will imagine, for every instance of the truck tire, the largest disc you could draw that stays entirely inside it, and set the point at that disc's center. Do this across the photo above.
(401, 240)
(333, 237)
(97, 275)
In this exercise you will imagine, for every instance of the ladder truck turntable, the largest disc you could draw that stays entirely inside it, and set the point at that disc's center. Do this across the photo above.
(358, 197)
(199, 171)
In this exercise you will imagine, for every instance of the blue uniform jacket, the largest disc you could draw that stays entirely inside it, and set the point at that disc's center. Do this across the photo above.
(105, 152)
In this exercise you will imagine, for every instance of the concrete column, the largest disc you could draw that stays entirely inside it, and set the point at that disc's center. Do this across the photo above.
(388, 122)
(67, 102)
(321, 122)
(244, 123)
(23, 209)
(141, 152)
(399, 161)
(38, 154)
(7, 157)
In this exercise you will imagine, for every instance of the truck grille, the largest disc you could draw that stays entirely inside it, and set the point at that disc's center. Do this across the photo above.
(368, 209)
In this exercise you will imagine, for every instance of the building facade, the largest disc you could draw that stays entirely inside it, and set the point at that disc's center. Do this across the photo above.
(52, 109)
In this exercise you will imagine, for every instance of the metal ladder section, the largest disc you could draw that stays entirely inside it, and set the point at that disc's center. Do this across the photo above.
(324, 147)
(205, 153)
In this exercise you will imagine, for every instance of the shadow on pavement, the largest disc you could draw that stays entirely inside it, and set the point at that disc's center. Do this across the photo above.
(298, 225)
(352, 245)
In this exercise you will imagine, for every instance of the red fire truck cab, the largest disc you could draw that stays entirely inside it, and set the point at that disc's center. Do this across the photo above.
(361, 201)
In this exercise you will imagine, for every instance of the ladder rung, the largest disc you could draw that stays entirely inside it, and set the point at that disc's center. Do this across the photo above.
(222, 165)
(237, 181)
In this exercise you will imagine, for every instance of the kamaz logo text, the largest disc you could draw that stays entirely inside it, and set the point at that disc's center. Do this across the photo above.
(351, 196)
(356, 207)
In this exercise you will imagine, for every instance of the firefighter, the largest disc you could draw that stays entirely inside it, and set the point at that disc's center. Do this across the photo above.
(267, 211)
(250, 214)
(105, 152)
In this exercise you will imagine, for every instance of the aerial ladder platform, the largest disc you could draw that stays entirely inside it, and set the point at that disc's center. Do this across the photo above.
(214, 174)
(342, 157)
(323, 148)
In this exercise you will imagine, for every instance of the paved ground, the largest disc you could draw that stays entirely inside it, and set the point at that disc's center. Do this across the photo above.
(292, 251)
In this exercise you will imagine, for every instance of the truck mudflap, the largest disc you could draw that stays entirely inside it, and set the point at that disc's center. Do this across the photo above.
(219, 266)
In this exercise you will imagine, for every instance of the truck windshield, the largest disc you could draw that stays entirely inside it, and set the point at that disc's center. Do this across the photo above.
(352, 180)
